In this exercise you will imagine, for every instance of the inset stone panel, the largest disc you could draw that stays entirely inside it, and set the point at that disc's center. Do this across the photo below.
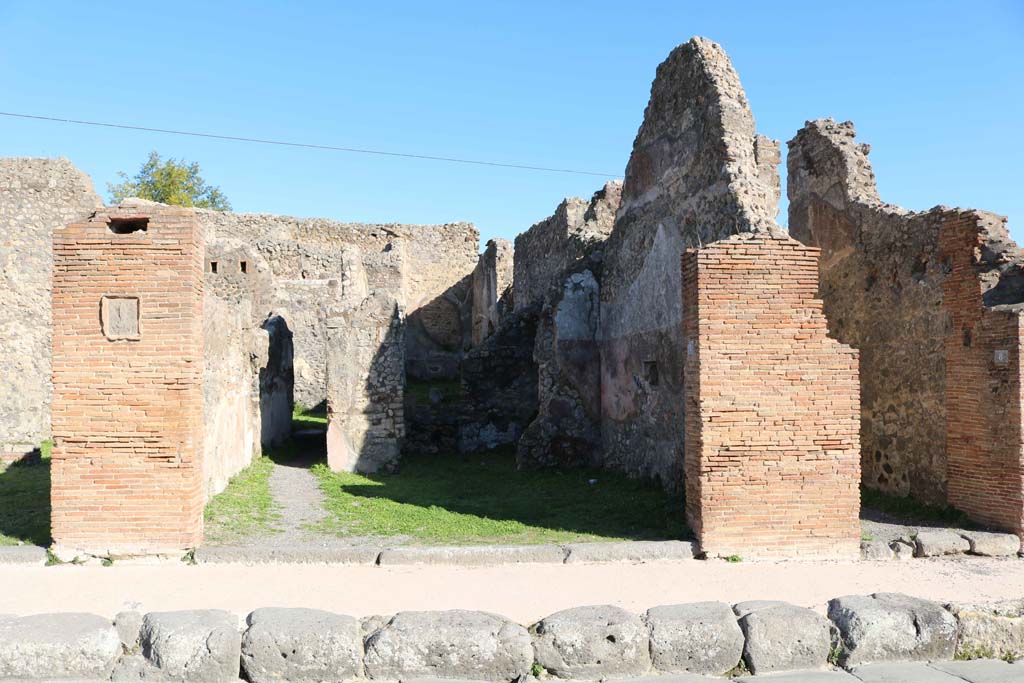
(119, 316)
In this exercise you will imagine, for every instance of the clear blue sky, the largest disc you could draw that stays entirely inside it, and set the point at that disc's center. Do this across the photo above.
(937, 88)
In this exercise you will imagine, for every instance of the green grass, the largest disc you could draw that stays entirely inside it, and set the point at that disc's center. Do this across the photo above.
(305, 418)
(245, 507)
(911, 510)
(483, 499)
(25, 502)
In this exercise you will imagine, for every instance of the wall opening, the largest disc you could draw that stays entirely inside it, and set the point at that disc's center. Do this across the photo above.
(651, 372)
(213, 266)
(128, 225)
(243, 266)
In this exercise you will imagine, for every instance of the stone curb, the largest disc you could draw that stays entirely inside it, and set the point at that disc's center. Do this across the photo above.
(473, 556)
(602, 642)
(943, 543)
(299, 555)
(22, 554)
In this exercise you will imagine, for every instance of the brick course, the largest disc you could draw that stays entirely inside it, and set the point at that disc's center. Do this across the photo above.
(128, 413)
(985, 466)
(772, 455)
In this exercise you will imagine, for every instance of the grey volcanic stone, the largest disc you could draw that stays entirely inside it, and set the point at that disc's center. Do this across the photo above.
(903, 672)
(474, 555)
(902, 551)
(629, 551)
(802, 677)
(54, 646)
(194, 645)
(785, 638)
(701, 637)
(875, 550)
(301, 645)
(303, 554)
(128, 625)
(938, 542)
(983, 671)
(994, 630)
(992, 545)
(887, 627)
(22, 554)
(592, 643)
(452, 644)
(671, 678)
(742, 609)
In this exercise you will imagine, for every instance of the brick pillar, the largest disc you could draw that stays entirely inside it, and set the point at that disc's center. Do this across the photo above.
(985, 458)
(772, 453)
(127, 380)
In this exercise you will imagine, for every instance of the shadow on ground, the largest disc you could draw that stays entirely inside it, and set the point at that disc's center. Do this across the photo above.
(25, 503)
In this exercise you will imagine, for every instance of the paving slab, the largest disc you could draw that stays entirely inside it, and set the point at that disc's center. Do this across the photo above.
(983, 671)
(474, 556)
(299, 554)
(667, 678)
(903, 672)
(22, 554)
(630, 551)
(801, 677)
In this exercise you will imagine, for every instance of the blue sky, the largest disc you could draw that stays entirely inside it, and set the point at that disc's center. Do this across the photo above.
(936, 87)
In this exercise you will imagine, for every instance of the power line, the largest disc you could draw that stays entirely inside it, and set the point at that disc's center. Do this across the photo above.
(282, 143)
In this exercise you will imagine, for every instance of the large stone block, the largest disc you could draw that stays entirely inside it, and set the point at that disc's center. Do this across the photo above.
(991, 544)
(301, 645)
(782, 637)
(57, 646)
(701, 637)
(939, 542)
(592, 643)
(993, 630)
(193, 645)
(890, 627)
(629, 551)
(452, 644)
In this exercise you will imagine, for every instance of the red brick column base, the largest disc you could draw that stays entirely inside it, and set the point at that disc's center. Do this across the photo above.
(127, 383)
(772, 453)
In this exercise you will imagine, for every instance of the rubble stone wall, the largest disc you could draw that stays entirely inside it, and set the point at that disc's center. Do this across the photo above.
(127, 470)
(698, 173)
(551, 247)
(492, 278)
(901, 286)
(37, 196)
(772, 405)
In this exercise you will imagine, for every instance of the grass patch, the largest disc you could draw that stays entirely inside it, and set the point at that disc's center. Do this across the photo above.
(308, 418)
(483, 499)
(245, 507)
(25, 502)
(911, 510)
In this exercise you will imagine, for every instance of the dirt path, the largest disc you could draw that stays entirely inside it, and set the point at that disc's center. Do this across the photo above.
(521, 592)
(297, 492)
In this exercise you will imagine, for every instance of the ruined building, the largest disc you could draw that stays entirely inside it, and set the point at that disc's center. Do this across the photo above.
(666, 328)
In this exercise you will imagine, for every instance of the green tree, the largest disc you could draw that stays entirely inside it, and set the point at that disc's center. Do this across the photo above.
(169, 182)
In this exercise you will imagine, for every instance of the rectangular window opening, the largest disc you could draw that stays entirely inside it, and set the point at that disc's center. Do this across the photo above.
(651, 372)
(126, 225)
(243, 266)
(213, 266)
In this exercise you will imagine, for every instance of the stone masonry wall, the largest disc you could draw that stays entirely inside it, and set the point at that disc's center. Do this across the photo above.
(772, 453)
(36, 197)
(551, 247)
(127, 471)
(366, 386)
(885, 279)
(984, 436)
(698, 173)
(492, 279)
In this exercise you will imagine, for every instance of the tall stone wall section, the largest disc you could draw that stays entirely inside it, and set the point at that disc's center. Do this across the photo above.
(772, 405)
(885, 278)
(36, 197)
(698, 173)
(366, 386)
(554, 245)
(127, 471)
(491, 295)
(984, 403)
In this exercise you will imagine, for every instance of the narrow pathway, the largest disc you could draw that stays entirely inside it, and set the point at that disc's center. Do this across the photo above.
(297, 493)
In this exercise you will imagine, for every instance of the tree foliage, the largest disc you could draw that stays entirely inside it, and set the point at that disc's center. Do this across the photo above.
(169, 182)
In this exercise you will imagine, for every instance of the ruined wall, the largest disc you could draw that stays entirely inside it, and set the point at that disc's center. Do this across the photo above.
(366, 385)
(983, 294)
(698, 173)
(247, 380)
(426, 267)
(551, 247)
(567, 430)
(36, 197)
(127, 471)
(772, 454)
(492, 278)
